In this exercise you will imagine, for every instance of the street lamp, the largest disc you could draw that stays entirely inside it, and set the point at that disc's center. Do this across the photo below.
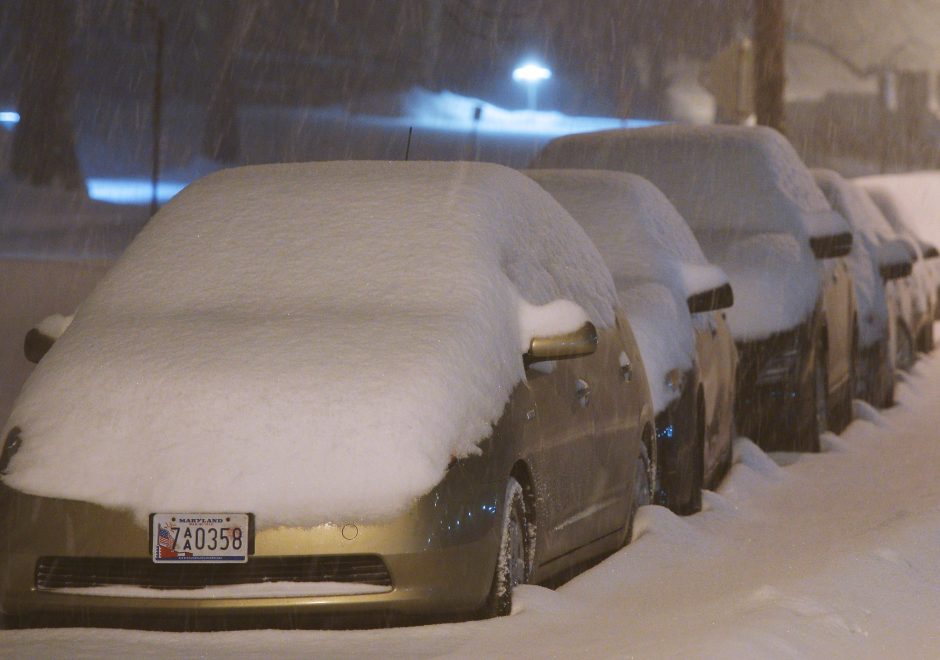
(531, 74)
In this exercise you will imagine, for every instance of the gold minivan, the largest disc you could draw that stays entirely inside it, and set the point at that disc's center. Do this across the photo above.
(327, 394)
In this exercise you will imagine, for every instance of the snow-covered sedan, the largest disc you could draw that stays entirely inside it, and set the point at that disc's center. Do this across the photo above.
(672, 295)
(757, 213)
(328, 389)
(878, 260)
(900, 207)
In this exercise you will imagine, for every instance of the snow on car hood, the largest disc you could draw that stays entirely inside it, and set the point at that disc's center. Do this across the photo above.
(654, 258)
(775, 280)
(307, 342)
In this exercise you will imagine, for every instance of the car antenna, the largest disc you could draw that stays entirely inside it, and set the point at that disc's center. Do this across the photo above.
(408, 145)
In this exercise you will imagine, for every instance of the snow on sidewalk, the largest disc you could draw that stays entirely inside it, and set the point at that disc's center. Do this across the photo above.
(801, 556)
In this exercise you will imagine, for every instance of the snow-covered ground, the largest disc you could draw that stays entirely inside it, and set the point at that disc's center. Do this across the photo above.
(829, 555)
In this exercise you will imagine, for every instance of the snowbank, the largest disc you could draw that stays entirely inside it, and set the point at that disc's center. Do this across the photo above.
(309, 342)
(654, 258)
(736, 186)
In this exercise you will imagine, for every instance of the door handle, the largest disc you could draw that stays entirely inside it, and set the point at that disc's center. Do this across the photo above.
(626, 368)
(583, 391)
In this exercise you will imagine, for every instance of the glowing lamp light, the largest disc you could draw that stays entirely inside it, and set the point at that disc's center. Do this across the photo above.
(531, 73)
(9, 118)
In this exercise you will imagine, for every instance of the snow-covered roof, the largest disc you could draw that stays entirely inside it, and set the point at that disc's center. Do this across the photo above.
(653, 256)
(307, 342)
(720, 178)
(748, 198)
(906, 203)
(912, 198)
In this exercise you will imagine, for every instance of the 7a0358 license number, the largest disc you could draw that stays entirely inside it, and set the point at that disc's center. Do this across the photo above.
(202, 537)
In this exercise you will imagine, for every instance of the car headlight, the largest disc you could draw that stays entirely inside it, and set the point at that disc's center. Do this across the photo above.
(779, 368)
(10, 446)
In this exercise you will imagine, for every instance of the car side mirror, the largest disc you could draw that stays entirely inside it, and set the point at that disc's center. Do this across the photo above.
(831, 246)
(36, 345)
(895, 271)
(895, 259)
(579, 343)
(41, 338)
(721, 297)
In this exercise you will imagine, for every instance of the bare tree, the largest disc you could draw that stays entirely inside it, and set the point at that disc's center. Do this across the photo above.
(769, 72)
(44, 142)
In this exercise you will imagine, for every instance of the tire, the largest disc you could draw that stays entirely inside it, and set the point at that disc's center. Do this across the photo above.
(844, 413)
(642, 489)
(904, 349)
(925, 340)
(694, 503)
(513, 561)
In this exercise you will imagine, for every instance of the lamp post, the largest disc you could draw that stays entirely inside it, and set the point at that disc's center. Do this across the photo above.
(531, 75)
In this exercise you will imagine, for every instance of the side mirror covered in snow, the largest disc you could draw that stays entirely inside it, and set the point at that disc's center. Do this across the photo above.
(712, 300)
(582, 341)
(895, 259)
(895, 271)
(831, 246)
(36, 345)
(41, 338)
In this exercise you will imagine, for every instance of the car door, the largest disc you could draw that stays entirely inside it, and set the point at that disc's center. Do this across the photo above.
(563, 425)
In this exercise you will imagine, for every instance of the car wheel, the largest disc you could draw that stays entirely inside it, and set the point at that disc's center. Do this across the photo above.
(821, 393)
(904, 349)
(727, 456)
(844, 415)
(694, 503)
(642, 489)
(925, 338)
(513, 561)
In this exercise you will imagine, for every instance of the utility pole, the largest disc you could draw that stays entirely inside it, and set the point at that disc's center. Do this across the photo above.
(769, 67)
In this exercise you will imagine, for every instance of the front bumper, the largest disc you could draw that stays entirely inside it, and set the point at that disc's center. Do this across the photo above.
(769, 411)
(440, 556)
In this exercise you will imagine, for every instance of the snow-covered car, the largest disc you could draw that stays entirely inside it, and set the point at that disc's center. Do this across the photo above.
(672, 295)
(878, 259)
(899, 204)
(757, 213)
(327, 389)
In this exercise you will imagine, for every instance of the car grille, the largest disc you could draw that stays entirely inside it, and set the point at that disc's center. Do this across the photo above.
(79, 572)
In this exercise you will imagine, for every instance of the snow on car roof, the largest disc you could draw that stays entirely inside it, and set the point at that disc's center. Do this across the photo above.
(914, 198)
(720, 178)
(747, 197)
(645, 242)
(870, 232)
(308, 342)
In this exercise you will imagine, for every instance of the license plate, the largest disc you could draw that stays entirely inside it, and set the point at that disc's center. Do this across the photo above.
(200, 537)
